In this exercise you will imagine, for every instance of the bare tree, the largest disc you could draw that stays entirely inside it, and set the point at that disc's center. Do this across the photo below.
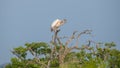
(64, 48)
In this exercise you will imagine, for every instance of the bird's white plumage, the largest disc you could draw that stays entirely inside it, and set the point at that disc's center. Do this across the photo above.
(56, 24)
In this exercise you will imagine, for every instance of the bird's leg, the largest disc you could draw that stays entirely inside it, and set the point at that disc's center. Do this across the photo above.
(55, 35)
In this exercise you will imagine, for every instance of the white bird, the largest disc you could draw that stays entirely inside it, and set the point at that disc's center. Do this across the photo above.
(56, 24)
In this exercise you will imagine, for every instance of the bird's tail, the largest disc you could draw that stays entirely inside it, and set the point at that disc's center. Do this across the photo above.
(51, 29)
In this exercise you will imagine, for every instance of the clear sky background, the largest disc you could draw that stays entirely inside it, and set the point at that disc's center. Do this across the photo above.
(24, 21)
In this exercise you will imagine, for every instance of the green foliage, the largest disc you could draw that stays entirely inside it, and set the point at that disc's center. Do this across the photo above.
(109, 45)
(91, 57)
(54, 63)
(40, 48)
(35, 49)
(16, 63)
(20, 52)
(114, 59)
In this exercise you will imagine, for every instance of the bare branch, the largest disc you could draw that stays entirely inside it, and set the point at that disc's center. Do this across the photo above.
(59, 41)
(71, 38)
(84, 32)
(63, 37)
(81, 33)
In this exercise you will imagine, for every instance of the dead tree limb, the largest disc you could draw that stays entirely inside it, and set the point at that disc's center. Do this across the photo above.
(64, 48)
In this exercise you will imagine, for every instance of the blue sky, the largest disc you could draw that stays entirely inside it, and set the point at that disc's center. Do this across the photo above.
(24, 21)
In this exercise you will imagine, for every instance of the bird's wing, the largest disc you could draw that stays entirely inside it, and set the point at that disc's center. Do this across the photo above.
(54, 23)
(58, 24)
